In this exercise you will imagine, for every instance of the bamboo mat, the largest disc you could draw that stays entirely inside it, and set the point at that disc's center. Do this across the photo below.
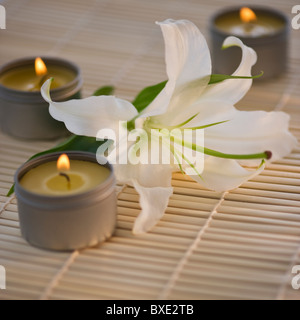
(236, 245)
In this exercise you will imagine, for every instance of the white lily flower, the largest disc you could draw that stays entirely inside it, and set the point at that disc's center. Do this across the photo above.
(187, 101)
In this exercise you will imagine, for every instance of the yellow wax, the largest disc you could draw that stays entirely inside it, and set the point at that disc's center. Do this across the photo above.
(265, 24)
(45, 179)
(25, 79)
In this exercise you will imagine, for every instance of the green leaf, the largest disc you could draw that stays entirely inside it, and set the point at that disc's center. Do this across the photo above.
(104, 91)
(215, 78)
(147, 95)
(11, 191)
(75, 143)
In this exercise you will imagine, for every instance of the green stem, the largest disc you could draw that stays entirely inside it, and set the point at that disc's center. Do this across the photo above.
(186, 122)
(190, 164)
(263, 155)
(174, 152)
(159, 127)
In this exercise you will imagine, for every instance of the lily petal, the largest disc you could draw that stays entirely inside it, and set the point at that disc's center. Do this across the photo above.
(233, 90)
(87, 116)
(188, 66)
(253, 132)
(206, 111)
(224, 174)
(153, 183)
(154, 202)
(150, 175)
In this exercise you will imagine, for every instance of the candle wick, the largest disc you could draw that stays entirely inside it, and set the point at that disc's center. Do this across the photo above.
(67, 177)
(39, 84)
(249, 26)
(43, 79)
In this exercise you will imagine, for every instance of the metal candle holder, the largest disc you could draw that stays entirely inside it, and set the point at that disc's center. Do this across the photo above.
(67, 222)
(24, 114)
(271, 49)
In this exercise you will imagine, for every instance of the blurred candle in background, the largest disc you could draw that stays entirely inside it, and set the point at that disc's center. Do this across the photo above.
(264, 29)
(23, 112)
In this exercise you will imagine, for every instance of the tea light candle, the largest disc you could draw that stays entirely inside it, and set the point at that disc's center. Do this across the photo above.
(30, 78)
(249, 24)
(63, 208)
(23, 112)
(64, 177)
(262, 28)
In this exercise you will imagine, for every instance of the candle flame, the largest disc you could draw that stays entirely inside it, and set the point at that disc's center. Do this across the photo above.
(40, 67)
(247, 15)
(63, 163)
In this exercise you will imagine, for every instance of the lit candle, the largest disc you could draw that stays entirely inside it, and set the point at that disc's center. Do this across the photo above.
(264, 29)
(66, 205)
(32, 77)
(64, 177)
(23, 112)
(249, 24)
